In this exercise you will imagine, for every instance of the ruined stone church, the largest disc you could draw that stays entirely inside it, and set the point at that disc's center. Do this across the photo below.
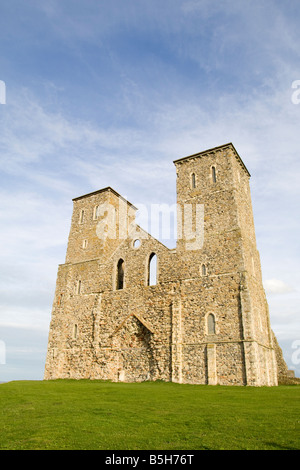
(127, 308)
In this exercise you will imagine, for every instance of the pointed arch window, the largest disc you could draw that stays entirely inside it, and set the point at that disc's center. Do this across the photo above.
(152, 270)
(211, 324)
(120, 274)
(213, 174)
(203, 270)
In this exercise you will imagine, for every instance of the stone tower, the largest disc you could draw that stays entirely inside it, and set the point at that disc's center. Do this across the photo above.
(216, 184)
(203, 319)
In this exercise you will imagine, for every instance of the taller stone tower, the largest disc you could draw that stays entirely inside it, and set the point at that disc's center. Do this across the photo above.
(213, 196)
(202, 319)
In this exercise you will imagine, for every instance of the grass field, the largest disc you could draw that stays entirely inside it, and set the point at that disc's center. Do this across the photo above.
(67, 414)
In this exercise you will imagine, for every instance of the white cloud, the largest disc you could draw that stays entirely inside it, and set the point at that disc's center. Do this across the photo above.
(275, 286)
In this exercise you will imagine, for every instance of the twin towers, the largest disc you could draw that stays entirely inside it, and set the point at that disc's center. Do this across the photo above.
(128, 308)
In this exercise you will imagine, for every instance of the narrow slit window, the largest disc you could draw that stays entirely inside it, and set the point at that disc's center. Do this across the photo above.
(203, 270)
(75, 331)
(60, 298)
(193, 180)
(213, 174)
(78, 287)
(152, 270)
(120, 274)
(114, 217)
(81, 218)
(211, 324)
(96, 209)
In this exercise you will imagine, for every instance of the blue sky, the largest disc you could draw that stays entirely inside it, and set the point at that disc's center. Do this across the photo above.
(108, 93)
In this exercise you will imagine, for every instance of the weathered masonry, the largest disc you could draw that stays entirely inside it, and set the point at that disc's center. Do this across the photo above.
(127, 308)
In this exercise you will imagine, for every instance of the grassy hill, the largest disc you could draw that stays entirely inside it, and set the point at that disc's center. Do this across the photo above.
(67, 414)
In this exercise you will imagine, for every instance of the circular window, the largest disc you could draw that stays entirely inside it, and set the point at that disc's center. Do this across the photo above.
(136, 243)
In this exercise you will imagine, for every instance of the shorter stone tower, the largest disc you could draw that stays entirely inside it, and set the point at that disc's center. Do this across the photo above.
(127, 308)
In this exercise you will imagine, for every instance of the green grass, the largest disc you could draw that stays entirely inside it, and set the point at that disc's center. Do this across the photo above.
(67, 414)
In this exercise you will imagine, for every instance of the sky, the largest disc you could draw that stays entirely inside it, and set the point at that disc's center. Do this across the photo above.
(99, 93)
